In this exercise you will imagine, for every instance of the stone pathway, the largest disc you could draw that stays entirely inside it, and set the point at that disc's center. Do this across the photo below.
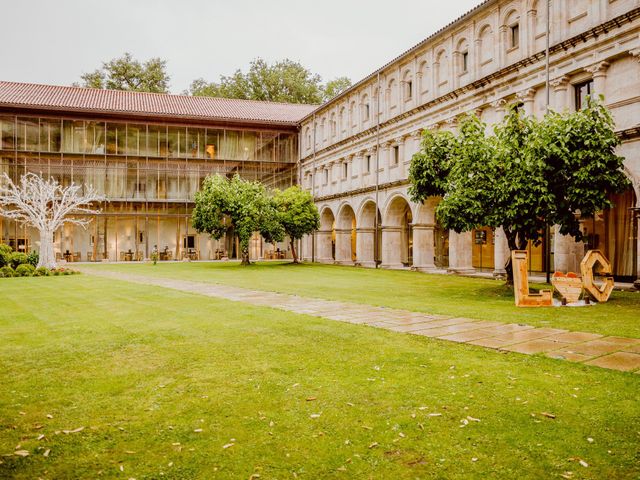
(617, 353)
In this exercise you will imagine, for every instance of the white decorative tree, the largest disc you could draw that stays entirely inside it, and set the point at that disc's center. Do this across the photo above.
(46, 205)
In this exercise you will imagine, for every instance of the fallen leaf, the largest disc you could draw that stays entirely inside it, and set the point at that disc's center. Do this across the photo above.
(548, 415)
(583, 463)
(311, 399)
(314, 415)
(434, 415)
(228, 445)
(198, 430)
(350, 404)
(21, 453)
(46, 452)
(40, 437)
(49, 416)
(75, 430)
(473, 419)
(590, 440)
(373, 445)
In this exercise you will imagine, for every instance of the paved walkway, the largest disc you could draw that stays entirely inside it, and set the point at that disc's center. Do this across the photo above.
(617, 353)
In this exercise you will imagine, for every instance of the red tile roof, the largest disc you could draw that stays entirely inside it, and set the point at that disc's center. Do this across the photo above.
(77, 99)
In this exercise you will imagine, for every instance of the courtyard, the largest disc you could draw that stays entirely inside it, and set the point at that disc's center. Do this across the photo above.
(163, 383)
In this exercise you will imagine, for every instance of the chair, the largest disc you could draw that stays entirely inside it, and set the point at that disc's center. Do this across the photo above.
(122, 256)
(139, 256)
(169, 255)
(58, 257)
(76, 257)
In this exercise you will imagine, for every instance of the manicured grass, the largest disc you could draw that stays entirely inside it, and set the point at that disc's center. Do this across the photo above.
(143, 369)
(443, 294)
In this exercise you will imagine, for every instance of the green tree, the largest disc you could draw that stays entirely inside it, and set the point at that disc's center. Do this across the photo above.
(223, 203)
(283, 81)
(127, 73)
(297, 214)
(335, 87)
(529, 175)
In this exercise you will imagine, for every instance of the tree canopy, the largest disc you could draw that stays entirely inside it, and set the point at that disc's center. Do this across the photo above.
(127, 73)
(297, 213)
(283, 81)
(223, 203)
(528, 175)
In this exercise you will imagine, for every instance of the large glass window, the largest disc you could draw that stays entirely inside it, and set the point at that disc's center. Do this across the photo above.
(136, 139)
(95, 138)
(8, 132)
(28, 134)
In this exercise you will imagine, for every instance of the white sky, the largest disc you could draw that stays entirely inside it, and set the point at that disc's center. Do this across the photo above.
(55, 41)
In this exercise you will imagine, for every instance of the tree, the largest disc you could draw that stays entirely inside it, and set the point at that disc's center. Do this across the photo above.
(283, 81)
(126, 73)
(297, 213)
(335, 87)
(529, 175)
(223, 203)
(46, 205)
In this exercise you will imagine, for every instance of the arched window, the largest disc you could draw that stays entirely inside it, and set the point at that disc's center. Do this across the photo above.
(352, 114)
(462, 57)
(512, 24)
(307, 135)
(407, 86)
(342, 124)
(322, 130)
(423, 78)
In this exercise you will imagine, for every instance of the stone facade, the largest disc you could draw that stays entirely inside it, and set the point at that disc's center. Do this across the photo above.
(356, 149)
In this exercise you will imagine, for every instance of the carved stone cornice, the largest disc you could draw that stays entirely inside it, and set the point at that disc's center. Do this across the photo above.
(526, 95)
(560, 83)
(598, 69)
(635, 53)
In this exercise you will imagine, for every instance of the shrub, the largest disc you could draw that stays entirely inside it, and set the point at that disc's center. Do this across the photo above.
(5, 254)
(41, 272)
(6, 272)
(25, 270)
(17, 258)
(33, 258)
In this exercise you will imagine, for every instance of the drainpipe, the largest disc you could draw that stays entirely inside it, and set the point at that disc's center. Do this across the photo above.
(376, 243)
(313, 188)
(547, 232)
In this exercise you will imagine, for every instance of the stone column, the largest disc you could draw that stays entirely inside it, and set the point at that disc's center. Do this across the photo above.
(599, 72)
(561, 99)
(501, 45)
(423, 247)
(391, 247)
(306, 248)
(365, 243)
(501, 253)
(460, 253)
(531, 31)
(323, 246)
(343, 247)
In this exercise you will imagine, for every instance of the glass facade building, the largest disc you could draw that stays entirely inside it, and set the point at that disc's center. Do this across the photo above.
(149, 173)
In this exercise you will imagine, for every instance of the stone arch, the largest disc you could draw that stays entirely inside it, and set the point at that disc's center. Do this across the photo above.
(392, 93)
(423, 78)
(424, 236)
(326, 235)
(441, 70)
(367, 247)
(462, 56)
(397, 234)
(346, 236)
(366, 108)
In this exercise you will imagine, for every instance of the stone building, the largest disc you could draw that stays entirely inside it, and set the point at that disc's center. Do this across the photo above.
(356, 149)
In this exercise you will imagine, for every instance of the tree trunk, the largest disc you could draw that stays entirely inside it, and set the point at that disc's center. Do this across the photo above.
(47, 257)
(293, 251)
(245, 257)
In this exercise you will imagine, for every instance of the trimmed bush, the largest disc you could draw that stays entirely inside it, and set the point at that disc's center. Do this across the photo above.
(33, 258)
(17, 258)
(25, 270)
(5, 254)
(6, 272)
(41, 272)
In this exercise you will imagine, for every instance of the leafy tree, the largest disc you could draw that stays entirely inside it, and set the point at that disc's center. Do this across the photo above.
(529, 175)
(237, 203)
(297, 214)
(335, 87)
(127, 73)
(283, 81)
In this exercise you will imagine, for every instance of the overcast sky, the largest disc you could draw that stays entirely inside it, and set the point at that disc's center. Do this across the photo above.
(55, 41)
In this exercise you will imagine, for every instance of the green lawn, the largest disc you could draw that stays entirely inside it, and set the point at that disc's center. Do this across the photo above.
(162, 381)
(442, 294)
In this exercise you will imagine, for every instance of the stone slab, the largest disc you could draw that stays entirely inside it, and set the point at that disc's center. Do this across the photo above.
(574, 337)
(624, 361)
(540, 345)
